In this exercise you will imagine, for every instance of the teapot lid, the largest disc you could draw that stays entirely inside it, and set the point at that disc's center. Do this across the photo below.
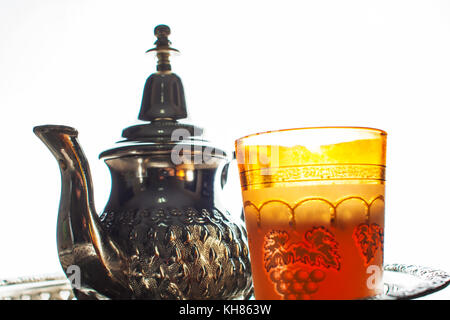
(163, 104)
(163, 101)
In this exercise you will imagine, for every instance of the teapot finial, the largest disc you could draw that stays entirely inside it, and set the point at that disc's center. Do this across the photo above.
(163, 47)
(162, 33)
(163, 100)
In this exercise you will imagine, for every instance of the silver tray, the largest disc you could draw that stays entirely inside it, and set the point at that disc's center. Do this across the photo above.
(400, 282)
(43, 287)
(403, 281)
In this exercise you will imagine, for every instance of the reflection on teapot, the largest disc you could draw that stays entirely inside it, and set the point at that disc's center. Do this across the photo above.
(164, 233)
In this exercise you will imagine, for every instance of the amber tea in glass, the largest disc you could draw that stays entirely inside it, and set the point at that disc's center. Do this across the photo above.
(314, 210)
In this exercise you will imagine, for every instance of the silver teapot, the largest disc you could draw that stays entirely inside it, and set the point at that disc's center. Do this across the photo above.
(164, 234)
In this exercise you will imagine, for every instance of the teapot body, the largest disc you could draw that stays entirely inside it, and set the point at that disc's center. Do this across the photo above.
(178, 240)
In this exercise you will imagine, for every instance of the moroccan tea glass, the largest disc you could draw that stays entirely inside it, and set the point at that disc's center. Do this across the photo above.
(314, 211)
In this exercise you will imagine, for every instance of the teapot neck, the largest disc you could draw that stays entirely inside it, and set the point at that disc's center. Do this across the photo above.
(155, 181)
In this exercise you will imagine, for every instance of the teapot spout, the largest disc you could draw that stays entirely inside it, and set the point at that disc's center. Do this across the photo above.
(81, 239)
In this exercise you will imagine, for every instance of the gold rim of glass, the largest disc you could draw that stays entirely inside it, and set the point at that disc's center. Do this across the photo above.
(380, 131)
(305, 155)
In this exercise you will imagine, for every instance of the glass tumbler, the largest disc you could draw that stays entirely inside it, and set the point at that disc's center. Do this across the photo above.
(314, 210)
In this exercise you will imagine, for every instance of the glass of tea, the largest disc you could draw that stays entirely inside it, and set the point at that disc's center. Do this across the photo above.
(314, 211)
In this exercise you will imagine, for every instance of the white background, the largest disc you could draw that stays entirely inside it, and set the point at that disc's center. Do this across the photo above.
(247, 66)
